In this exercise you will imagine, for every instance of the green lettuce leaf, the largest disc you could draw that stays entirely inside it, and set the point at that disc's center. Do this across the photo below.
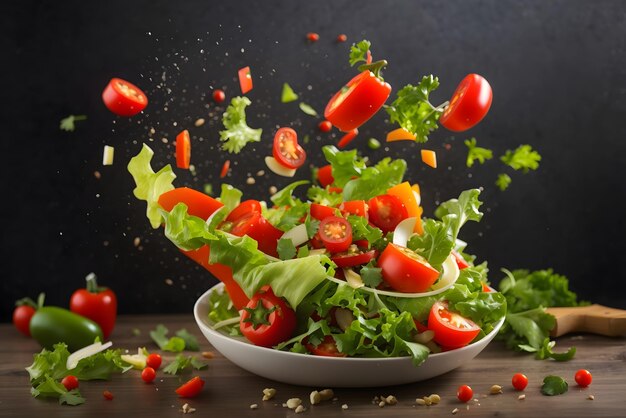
(230, 196)
(461, 210)
(284, 197)
(187, 232)
(237, 134)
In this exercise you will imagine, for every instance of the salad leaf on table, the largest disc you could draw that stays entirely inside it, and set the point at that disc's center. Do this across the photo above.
(554, 385)
(237, 134)
(181, 363)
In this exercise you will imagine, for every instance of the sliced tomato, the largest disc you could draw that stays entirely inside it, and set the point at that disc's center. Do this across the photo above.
(191, 389)
(320, 212)
(316, 242)
(124, 98)
(325, 175)
(183, 149)
(347, 138)
(386, 212)
(486, 287)
(351, 259)
(327, 348)
(460, 261)
(245, 80)
(254, 225)
(198, 203)
(357, 101)
(286, 149)
(354, 207)
(267, 320)
(469, 104)
(335, 233)
(247, 206)
(361, 243)
(406, 271)
(225, 169)
(451, 329)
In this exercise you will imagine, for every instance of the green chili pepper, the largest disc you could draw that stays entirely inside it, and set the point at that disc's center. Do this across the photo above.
(51, 325)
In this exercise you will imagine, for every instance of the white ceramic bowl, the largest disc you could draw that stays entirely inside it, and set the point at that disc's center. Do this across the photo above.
(308, 370)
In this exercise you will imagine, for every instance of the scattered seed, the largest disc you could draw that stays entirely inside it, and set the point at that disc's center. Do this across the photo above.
(495, 389)
(427, 401)
(208, 354)
(268, 393)
(420, 401)
(591, 397)
(169, 282)
(391, 400)
(467, 407)
(381, 404)
(254, 406)
(292, 403)
(327, 394)
(344, 406)
(250, 180)
(260, 173)
(300, 409)
(273, 190)
(199, 122)
(435, 399)
(187, 409)
(315, 397)
(455, 410)
(97, 174)
(137, 241)
(164, 140)
(521, 397)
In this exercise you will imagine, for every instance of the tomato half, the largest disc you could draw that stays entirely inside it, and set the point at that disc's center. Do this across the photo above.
(335, 233)
(386, 212)
(469, 104)
(354, 207)
(351, 259)
(327, 348)
(406, 271)
(191, 389)
(460, 261)
(451, 329)
(183, 149)
(267, 320)
(124, 98)
(198, 203)
(325, 175)
(254, 225)
(243, 208)
(320, 212)
(245, 80)
(357, 101)
(286, 149)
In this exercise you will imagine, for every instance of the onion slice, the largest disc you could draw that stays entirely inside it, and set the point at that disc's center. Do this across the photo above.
(403, 231)
(298, 235)
(418, 198)
(90, 350)
(449, 275)
(278, 168)
(353, 279)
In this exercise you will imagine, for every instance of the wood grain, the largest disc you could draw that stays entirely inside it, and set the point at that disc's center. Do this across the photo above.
(229, 391)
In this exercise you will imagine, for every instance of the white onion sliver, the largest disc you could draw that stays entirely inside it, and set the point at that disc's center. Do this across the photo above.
(353, 279)
(460, 245)
(418, 198)
(298, 235)
(403, 231)
(450, 274)
(279, 169)
(90, 350)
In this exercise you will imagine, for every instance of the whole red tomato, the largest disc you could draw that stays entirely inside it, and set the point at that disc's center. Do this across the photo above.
(24, 311)
(96, 303)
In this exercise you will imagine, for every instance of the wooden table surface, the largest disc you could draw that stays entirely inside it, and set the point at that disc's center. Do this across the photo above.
(229, 391)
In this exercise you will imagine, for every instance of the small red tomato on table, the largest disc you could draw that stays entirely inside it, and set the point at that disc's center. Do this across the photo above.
(96, 303)
(24, 311)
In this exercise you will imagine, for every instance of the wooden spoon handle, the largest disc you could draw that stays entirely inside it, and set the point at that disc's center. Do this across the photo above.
(596, 319)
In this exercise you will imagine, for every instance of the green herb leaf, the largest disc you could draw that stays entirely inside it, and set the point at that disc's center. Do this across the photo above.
(230, 196)
(523, 158)
(375, 180)
(371, 275)
(436, 243)
(465, 208)
(554, 385)
(361, 229)
(503, 181)
(324, 196)
(237, 133)
(413, 111)
(68, 123)
(173, 344)
(284, 197)
(358, 52)
(546, 352)
(288, 95)
(476, 153)
(73, 398)
(191, 342)
(307, 109)
(286, 249)
(181, 363)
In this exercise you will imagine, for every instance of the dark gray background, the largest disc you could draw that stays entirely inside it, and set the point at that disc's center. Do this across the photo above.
(557, 70)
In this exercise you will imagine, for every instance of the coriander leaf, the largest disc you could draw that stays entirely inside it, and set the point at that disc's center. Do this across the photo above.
(554, 385)
(191, 342)
(174, 345)
(413, 111)
(179, 364)
(546, 352)
(361, 229)
(476, 153)
(284, 197)
(345, 164)
(465, 208)
(237, 133)
(198, 364)
(68, 123)
(230, 196)
(523, 158)
(436, 243)
(159, 335)
(73, 397)
(286, 249)
(324, 196)
(358, 52)
(312, 225)
(533, 325)
(375, 180)
(503, 181)
(371, 275)
(288, 95)
(307, 109)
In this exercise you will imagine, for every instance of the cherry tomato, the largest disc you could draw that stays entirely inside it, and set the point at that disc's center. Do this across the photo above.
(107, 395)
(191, 389)
(225, 169)
(351, 259)
(354, 207)
(219, 96)
(286, 149)
(386, 212)
(267, 320)
(519, 381)
(327, 348)
(325, 126)
(486, 288)
(183, 150)
(460, 261)
(406, 271)
(320, 212)
(342, 37)
(198, 203)
(148, 374)
(154, 360)
(21, 318)
(464, 393)
(245, 80)
(469, 104)
(347, 138)
(312, 37)
(325, 175)
(244, 208)
(70, 382)
(124, 98)
(451, 329)
(357, 101)
(244, 221)
(583, 378)
(335, 233)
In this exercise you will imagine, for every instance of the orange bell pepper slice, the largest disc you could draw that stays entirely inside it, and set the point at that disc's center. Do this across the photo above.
(429, 158)
(400, 134)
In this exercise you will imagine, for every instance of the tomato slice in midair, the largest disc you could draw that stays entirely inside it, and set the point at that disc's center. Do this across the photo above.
(354, 207)
(191, 389)
(320, 212)
(124, 98)
(244, 208)
(245, 80)
(347, 138)
(326, 348)
(286, 149)
(267, 320)
(335, 233)
(183, 150)
(351, 259)
(406, 271)
(386, 212)
(469, 104)
(357, 101)
(254, 225)
(325, 175)
(451, 329)
(198, 203)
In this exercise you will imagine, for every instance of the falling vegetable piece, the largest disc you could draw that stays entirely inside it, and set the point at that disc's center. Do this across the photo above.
(342, 37)
(68, 123)
(107, 155)
(429, 158)
(124, 98)
(225, 169)
(400, 134)
(245, 80)
(469, 104)
(286, 149)
(325, 175)
(312, 37)
(219, 96)
(347, 138)
(373, 143)
(237, 134)
(325, 126)
(183, 150)
(288, 95)
(307, 109)
(278, 168)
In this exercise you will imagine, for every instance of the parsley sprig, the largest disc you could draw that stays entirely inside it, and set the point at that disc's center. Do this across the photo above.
(476, 153)
(237, 133)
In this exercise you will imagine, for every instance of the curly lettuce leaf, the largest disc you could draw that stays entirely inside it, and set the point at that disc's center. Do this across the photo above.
(230, 196)
(522, 158)
(476, 153)
(237, 134)
(465, 208)
(187, 232)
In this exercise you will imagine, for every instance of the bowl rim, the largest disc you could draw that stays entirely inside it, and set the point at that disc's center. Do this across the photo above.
(202, 322)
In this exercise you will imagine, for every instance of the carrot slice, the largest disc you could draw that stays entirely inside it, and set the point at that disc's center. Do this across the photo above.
(429, 158)
(400, 134)
(183, 150)
(245, 80)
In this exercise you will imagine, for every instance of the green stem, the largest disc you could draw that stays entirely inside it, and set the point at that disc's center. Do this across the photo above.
(80, 117)
(375, 67)
(92, 283)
